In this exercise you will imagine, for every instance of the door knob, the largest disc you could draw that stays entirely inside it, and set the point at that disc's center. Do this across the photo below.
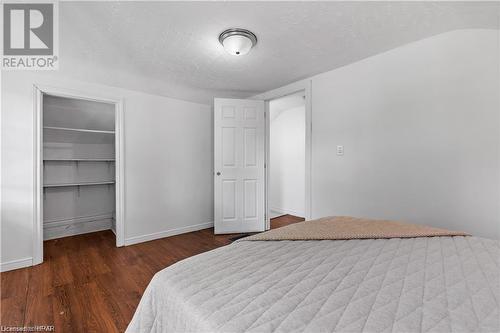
(218, 173)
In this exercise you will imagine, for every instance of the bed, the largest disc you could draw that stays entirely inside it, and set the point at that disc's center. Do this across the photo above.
(361, 281)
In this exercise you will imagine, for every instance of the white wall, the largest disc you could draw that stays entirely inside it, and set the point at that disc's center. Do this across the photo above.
(287, 161)
(168, 163)
(420, 125)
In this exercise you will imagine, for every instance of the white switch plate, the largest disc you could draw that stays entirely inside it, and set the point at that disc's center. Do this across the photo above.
(340, 150)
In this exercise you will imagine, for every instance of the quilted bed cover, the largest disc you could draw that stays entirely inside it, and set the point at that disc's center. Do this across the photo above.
(425, 284)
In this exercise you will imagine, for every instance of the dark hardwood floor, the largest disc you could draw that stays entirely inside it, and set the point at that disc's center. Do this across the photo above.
(86, 284)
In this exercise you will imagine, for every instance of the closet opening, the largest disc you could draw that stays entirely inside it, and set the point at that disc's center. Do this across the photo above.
(287, 156)
(79, 173)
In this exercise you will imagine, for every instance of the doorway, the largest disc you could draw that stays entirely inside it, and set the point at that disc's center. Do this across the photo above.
(79, 167)
(287, 156)
(242, 159)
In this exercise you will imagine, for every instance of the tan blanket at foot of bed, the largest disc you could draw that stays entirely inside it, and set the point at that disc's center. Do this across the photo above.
(344, 227)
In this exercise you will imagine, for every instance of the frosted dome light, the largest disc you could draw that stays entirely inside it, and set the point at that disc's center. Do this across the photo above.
(237, 41)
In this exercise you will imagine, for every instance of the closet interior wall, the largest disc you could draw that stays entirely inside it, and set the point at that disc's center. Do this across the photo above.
(78, 166)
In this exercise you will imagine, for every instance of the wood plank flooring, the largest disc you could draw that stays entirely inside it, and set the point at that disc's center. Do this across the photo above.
(86, 284)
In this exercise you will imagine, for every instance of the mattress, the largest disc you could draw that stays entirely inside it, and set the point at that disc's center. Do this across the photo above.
(425, 284)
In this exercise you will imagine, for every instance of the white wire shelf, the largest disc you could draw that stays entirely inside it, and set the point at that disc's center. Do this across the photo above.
(79, 184)
(78, 130)
(80, 159)
(77, 135)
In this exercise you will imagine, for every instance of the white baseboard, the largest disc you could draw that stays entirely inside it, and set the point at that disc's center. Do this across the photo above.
(167, 233)
(76, 220)
(76, 226)
(16, 264)
(287, 211)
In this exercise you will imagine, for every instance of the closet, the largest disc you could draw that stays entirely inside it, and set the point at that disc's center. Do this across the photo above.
(78, 166)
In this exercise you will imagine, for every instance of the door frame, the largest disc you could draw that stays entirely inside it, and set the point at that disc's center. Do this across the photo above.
(38, 91)
(306, 86)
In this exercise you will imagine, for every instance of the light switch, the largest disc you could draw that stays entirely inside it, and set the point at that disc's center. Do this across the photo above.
(340, 150)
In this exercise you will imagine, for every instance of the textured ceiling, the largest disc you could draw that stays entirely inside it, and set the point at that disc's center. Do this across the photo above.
(171, 48)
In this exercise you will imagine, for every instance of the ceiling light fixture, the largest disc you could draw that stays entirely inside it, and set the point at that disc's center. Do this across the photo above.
(237, 41)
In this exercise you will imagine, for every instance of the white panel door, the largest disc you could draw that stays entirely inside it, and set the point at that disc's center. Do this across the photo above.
(239, 165)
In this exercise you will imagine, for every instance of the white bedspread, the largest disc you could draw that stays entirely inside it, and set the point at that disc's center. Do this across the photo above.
(436, 284)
